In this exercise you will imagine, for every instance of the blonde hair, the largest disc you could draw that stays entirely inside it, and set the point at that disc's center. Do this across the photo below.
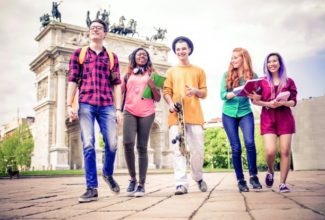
(233, 80)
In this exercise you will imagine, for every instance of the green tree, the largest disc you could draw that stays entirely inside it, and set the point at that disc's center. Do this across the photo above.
(216, 148)
(16, 150)
(217, 145)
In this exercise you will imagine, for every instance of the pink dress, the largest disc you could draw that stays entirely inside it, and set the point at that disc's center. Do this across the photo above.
(280, 120)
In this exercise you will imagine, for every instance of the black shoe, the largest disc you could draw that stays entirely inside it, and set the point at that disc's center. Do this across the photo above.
(202, 185)
(242, 186)
(132, 186)
(90, 195)
(255, 182)
(139, 192)
(112, 183)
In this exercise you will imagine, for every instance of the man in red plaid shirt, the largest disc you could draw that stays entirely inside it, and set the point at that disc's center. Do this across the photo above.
(98, 89)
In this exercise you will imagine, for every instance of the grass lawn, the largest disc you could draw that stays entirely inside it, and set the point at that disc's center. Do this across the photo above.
(81, 172)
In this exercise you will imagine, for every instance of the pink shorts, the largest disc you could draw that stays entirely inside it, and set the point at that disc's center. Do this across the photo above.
(277, 121)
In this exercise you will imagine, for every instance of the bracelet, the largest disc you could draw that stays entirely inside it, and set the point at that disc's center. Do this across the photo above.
(118, 109)
(69, 105)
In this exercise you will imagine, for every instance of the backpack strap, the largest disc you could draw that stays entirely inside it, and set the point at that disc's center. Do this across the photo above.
(111, 59)
(83, 52)
(82, 55)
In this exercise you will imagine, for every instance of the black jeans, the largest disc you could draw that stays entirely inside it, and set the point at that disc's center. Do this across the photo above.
(134, 126)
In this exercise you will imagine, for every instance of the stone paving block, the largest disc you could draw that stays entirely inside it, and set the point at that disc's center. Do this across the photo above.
(225, 195)
(217, 206)
(174, 207)
(57, 198)
(287, 214)
(102, 215)
(7, 206)
(281, 204)
(17, 213)
(57, 214)
(313, 202)
(135, 204)
(201, 215)
(59, 203)
(151, 218)
(101, 203)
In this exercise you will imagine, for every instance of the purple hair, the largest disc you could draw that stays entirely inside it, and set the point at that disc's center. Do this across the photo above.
(282, 73)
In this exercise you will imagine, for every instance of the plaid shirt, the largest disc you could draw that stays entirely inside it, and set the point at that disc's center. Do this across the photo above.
(96, 84)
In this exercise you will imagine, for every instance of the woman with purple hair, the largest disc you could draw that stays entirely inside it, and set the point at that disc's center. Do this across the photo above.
(278, 94)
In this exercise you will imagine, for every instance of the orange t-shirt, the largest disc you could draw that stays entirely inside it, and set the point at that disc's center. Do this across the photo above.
(177, 78)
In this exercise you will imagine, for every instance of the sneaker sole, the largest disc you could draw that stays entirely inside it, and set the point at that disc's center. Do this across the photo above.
(285, 191)
(116, 190)
(252, 187)
(130, 194)
(180, 193)
(81, 200)
(138, 194)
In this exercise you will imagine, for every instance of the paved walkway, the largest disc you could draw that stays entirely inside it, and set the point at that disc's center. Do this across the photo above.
(56, 198)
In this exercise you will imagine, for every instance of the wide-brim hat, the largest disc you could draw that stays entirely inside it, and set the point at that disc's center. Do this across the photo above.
(187, 40)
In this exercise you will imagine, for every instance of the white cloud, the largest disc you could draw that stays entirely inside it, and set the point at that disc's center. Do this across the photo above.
(295, 28)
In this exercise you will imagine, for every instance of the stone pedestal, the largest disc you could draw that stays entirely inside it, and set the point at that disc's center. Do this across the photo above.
(59, 158)
(151, 164)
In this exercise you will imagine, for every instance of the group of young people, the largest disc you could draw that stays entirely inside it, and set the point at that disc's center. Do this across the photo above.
(108, 98)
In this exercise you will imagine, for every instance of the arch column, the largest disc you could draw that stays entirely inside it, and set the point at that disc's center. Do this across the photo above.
(59, 152)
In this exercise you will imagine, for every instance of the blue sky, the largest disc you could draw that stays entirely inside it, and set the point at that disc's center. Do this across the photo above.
(309, 74)
(294, 28)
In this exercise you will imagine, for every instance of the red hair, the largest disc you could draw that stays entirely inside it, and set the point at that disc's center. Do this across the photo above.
(233, 80)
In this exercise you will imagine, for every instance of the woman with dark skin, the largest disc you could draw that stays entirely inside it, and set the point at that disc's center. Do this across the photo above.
(139, 114)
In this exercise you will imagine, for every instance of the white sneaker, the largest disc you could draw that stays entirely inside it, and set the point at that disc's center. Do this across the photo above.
(139, 192)
(180, 190)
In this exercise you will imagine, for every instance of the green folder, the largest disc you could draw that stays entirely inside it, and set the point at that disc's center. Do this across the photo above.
(159, 82)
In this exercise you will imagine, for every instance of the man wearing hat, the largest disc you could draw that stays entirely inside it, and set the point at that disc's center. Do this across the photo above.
(186, 83)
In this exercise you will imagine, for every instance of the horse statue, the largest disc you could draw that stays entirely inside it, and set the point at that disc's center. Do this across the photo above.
(129, 28)
(134, 28)
(45, 20)
(105, 17)
(55, 11)
(160, 34)
(118, 29)
(88, 20)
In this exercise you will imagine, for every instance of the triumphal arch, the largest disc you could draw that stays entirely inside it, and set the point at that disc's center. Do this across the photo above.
(57, 141)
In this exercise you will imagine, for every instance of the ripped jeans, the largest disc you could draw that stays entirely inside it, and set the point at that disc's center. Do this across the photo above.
(106, 118)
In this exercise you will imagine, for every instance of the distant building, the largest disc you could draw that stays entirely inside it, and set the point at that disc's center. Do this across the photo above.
(8, 129)
(213, 123)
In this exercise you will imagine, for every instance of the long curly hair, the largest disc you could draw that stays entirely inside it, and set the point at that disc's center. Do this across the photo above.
(132, 63)
(233, 79)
